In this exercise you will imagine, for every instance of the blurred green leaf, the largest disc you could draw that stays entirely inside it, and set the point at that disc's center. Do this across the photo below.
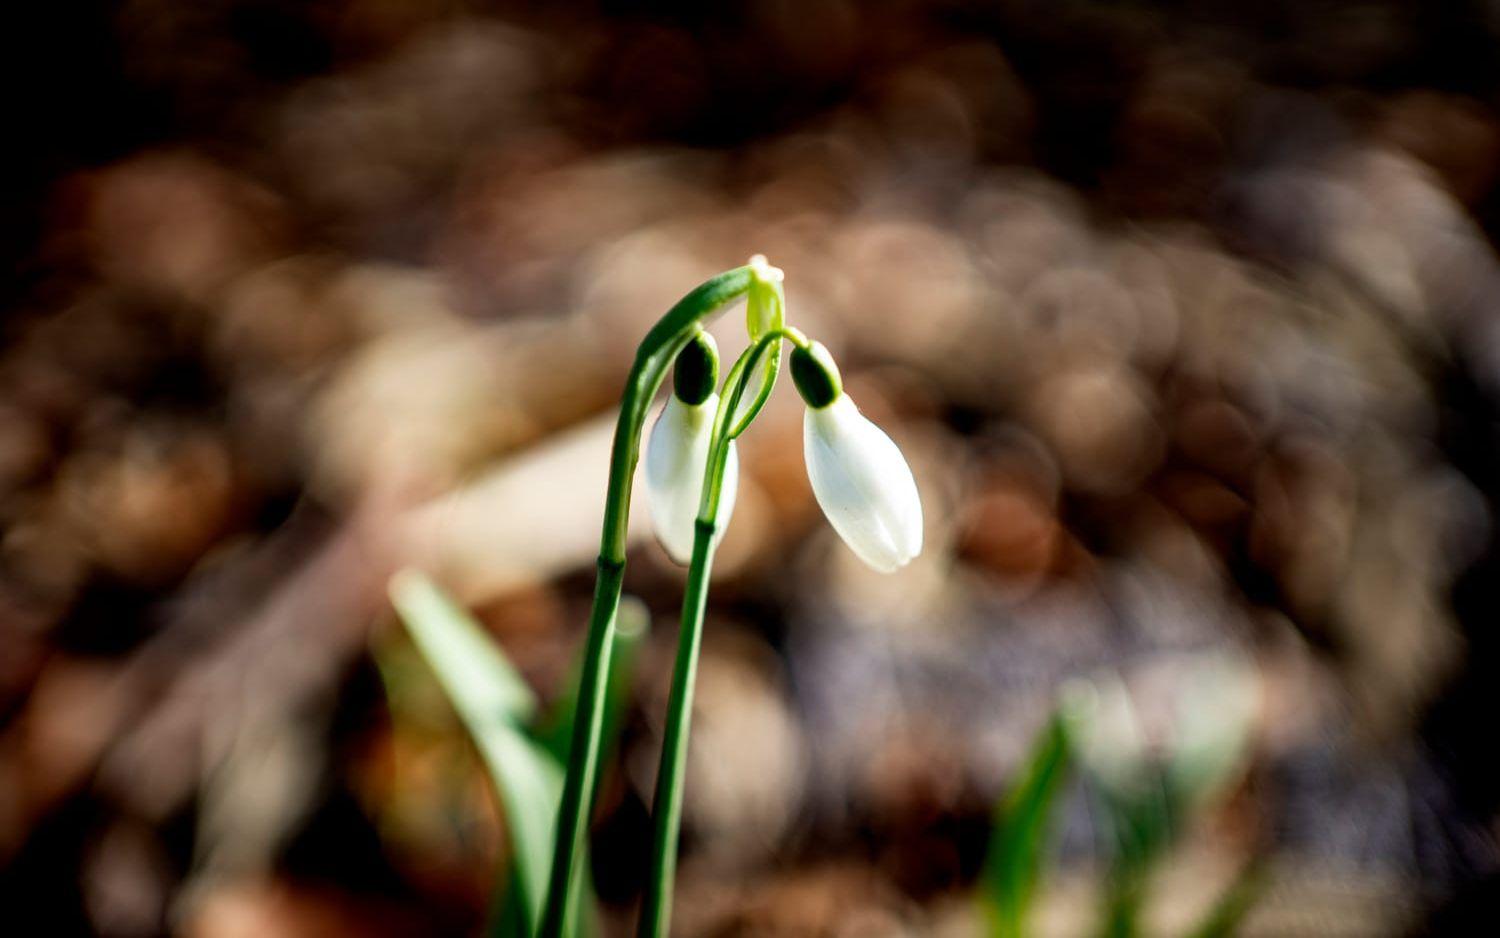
(1224, 918)
(492, 700)
(1145, 800)
(1143, 820)
(495, 704)
(1022, 828)
(474, 671)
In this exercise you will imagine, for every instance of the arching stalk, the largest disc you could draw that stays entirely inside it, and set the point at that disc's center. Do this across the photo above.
(654, 357)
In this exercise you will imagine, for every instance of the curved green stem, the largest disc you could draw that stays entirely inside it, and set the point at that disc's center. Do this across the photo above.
(666, 809)
(652, 360)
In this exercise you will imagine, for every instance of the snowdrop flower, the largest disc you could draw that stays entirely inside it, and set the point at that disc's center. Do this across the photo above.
(677, 453)
(860, 478)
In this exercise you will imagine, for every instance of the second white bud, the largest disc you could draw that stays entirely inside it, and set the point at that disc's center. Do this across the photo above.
(863, 484)
(859, 477)
(676, 460)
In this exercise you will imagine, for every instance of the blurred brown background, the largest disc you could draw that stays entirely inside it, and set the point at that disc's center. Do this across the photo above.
(1187, 315)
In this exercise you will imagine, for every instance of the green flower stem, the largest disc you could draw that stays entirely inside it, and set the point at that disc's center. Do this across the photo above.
(656, 910)
(652, 360)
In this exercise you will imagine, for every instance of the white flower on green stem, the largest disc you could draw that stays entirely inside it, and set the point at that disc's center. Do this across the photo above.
(859, 477)
(863, 485)
(676, 459)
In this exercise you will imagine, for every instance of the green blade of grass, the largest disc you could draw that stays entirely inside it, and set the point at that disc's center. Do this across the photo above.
(492, 700)
(1224, 917)
(474, 671)
(1143, 821)
(1023, 825)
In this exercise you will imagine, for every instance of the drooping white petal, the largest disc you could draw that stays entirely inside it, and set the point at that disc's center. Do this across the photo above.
(676, 458)
(863, 484)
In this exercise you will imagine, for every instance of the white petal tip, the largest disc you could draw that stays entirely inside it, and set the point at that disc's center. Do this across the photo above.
(673, 556)
(888, 565)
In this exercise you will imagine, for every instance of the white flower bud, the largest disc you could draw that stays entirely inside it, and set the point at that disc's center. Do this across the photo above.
(863, 484)
(676, 459)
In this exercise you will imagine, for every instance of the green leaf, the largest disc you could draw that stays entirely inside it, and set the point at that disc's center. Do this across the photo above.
(492, 700)
(474, 671)
(1224, 918)
(1144, 821)
(1022, 828)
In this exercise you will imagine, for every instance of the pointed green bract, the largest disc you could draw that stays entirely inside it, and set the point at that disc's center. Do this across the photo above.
(1023, 826)
(525, 765)
(492, 700)
(460, 650)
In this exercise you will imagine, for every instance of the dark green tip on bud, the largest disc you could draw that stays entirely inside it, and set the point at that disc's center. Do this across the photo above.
(816, 376)
(697, 370)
